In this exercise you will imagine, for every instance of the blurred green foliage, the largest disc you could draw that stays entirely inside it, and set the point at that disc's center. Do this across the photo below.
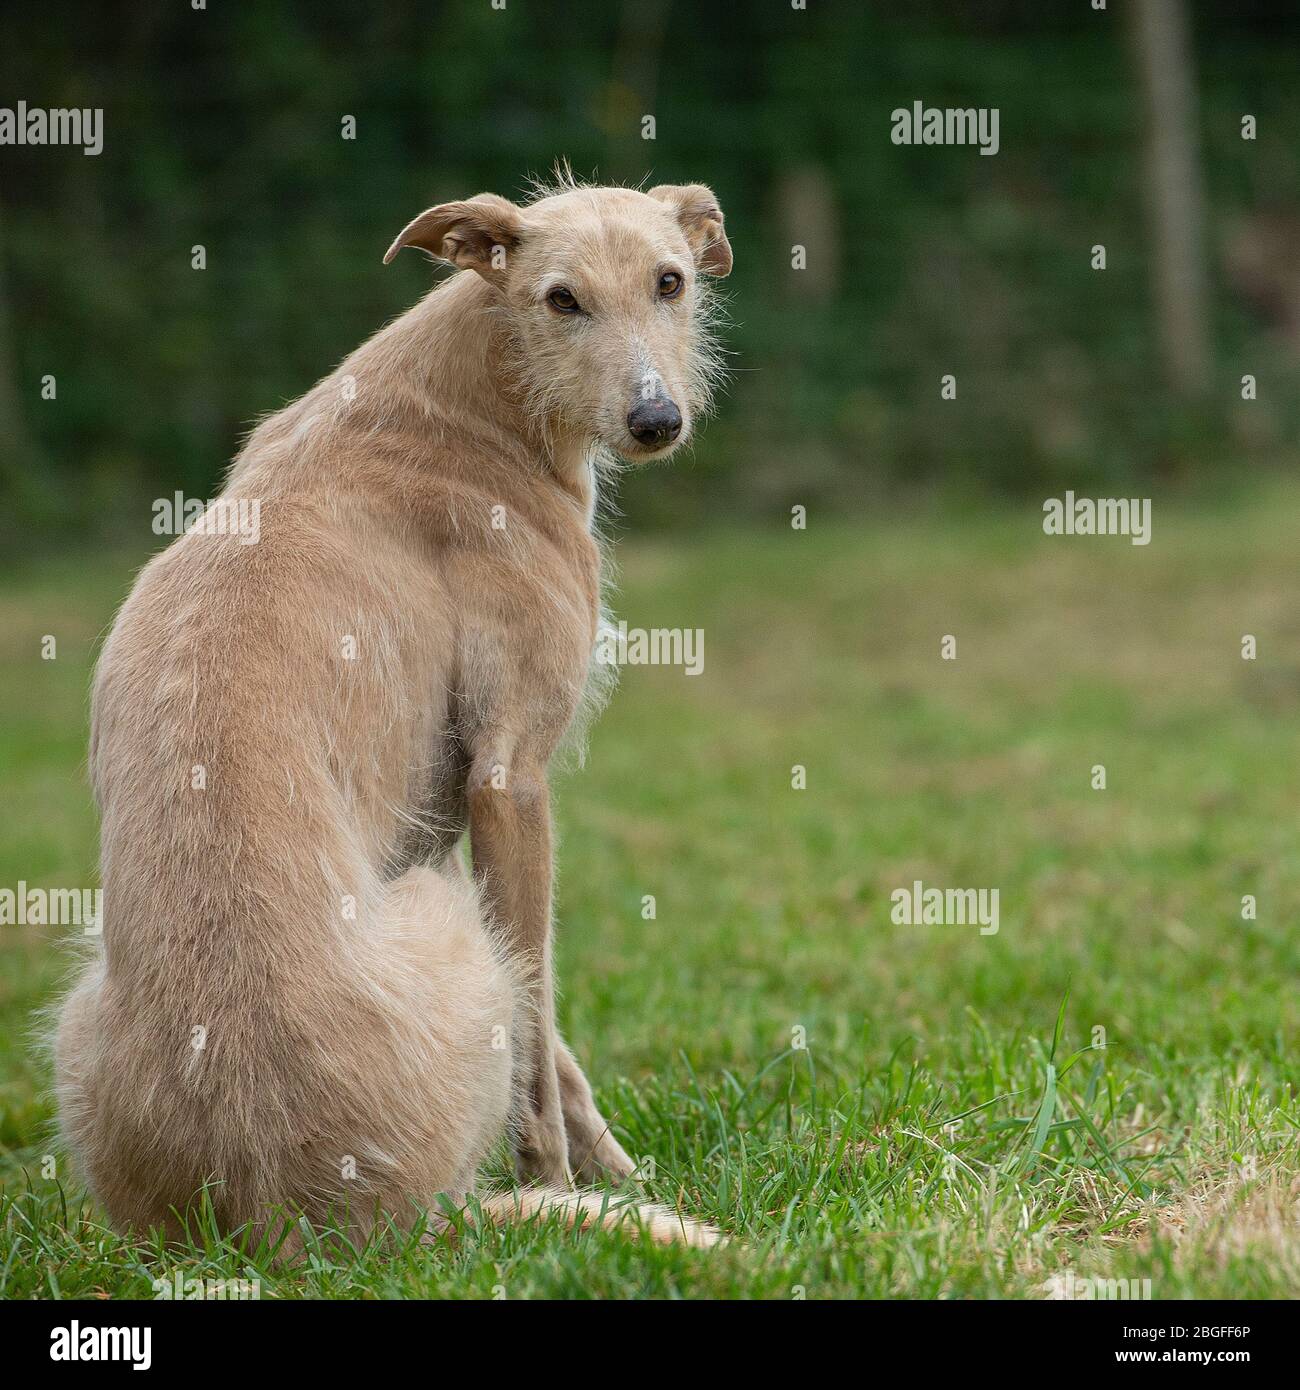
(223, 129)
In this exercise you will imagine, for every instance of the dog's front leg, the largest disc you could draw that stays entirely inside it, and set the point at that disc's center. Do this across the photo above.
(593, 1150)
(510, 838)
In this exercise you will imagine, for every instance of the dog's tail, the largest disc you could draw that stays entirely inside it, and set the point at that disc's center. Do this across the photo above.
(582, 1210)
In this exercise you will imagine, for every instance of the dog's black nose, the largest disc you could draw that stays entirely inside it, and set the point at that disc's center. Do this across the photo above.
(656, 421)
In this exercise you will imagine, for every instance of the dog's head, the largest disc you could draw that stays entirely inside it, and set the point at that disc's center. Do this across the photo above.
(602, 293)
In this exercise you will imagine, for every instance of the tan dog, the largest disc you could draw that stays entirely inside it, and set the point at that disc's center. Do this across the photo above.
(302, 1000)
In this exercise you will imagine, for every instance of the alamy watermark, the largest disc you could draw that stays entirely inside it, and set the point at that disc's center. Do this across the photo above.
(40, 125)
(77, 1343)
(1101, 516)
(653, 646)
(179, 1287)
(919, 906)
(1070, 1287)
(948, 125)
(52, 907)
(221, 516)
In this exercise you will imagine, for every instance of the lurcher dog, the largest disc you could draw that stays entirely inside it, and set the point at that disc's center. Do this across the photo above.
(302, 1002)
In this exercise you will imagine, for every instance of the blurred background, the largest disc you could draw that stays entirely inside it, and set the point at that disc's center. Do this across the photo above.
(223, 129)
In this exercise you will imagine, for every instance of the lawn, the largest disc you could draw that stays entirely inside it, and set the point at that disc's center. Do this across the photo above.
(1102, 1089)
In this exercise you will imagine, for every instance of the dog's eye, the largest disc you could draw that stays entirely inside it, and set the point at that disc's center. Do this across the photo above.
(562, 301)
(670, 285)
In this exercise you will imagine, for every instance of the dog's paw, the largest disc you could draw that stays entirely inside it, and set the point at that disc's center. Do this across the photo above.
(604, 1159)
(541, 1156)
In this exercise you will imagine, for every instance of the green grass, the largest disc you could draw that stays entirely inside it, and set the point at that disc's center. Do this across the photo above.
(954, 1125)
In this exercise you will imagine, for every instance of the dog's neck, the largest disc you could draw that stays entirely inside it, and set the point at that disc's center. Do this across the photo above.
(455, 348)
(572, 460)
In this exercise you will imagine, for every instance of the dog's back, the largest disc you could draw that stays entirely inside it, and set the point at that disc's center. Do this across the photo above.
(263, 1016)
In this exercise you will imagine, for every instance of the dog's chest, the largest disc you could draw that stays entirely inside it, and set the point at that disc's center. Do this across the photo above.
(520, 675)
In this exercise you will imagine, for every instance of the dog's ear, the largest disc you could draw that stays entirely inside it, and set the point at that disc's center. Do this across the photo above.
(701, 219)
(476, 234)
